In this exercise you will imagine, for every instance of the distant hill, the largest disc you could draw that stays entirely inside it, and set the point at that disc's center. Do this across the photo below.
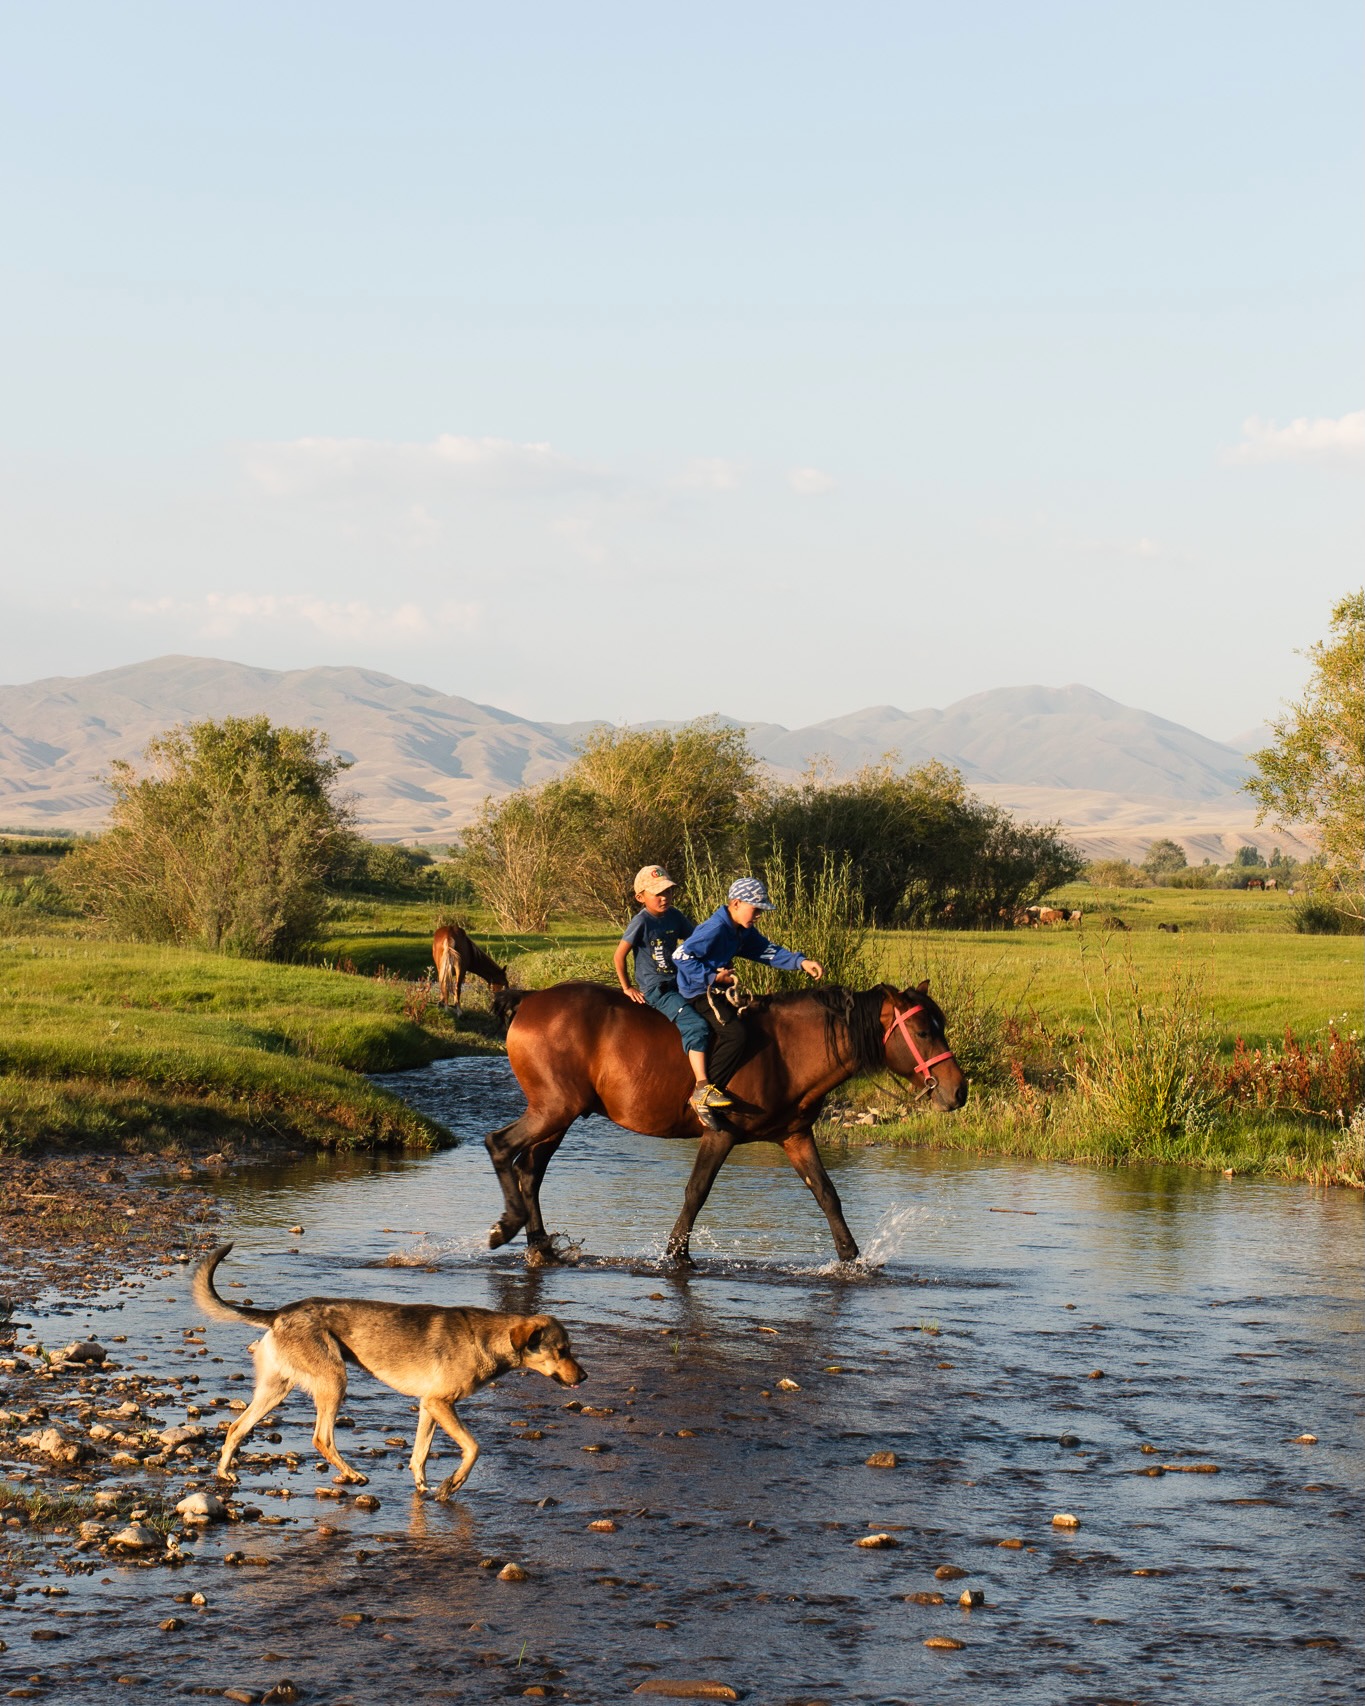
(423, 760)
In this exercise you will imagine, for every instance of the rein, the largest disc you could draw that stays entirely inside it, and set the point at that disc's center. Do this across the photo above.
(898, 1018)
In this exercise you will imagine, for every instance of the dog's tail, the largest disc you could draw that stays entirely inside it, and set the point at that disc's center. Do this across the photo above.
(505, 1004)
(220, 1309)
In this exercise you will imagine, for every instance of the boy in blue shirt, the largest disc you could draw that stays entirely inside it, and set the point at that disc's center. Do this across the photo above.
(703, 963)
(652, 936)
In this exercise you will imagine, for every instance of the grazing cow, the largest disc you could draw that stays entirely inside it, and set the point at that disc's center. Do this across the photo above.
(1074, 916)
(1255, 882)
(1050, 915)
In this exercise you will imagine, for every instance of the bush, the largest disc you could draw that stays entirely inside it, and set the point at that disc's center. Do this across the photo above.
(224, 844)
(1315, 916)
(1164, 857)
(1114, 874)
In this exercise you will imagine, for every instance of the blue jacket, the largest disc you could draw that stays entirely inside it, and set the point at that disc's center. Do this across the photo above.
(718, 941)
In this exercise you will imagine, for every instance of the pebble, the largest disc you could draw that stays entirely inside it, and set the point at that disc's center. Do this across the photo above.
(1067, 1441)
(512, 1573)
(1305, 1439)
(202, 1507)
(1191, 1468)
(1095, 1374)
(366, 1502)
(85, 1350)
(688, 1688)
(1064, 1519)
(243, 1696)
(137, 1538)
(595, 1447)
(882, 1460)
(924, 1599)
(970, 1597)
(1011, 1545)
(604, 1525)
(187, 1434)
(785, 1385)
(198, 1599)
(169, 1625)
(296, 1232)
(352, 1619)
(948, 1573)
(53, 1443)
(945, 1644)
(877, 1541)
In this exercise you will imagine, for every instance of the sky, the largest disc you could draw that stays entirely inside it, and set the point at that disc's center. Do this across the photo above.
(625, 361)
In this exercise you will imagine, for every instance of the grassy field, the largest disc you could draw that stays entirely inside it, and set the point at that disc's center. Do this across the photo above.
(112, 1044)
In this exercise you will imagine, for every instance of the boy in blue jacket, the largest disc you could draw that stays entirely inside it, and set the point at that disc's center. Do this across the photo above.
(652, 936)
(704, 961)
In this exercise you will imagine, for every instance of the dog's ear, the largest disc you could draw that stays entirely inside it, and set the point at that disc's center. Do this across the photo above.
(526, 1333)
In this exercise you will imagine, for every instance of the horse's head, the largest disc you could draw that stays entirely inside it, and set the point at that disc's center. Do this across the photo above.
(916, 1044)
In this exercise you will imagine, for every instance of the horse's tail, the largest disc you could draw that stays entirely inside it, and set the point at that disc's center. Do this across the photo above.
(447, 965)
(505, 1004)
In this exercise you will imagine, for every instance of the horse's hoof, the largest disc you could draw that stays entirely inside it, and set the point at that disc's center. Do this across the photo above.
(541, 1256)
(498, 1235)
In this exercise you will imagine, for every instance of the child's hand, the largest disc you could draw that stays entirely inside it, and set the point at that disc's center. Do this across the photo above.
(635, 996)
(812, 968)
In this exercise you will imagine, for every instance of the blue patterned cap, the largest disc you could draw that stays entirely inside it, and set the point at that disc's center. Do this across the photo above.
(752, 890)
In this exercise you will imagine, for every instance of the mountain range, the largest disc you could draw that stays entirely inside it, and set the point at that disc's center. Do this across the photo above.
(422, 761)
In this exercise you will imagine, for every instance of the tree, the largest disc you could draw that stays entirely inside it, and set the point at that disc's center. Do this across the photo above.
(1163, 857)
(1314, 773)
(223, 842)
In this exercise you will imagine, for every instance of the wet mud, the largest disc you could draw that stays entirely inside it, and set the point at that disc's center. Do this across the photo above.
(1141, 1351)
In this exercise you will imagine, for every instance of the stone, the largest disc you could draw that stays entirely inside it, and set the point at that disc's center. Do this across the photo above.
(282, 1694)
(1191, 1468)
(877, 1541)
(1064, 1519)
(1305, 1439)
(46, 1635)
(86, 1350)
(365, 1502)
(512, 1573)
(924, 1599)
(170, 1624)
(603, 1525)
(970, 1597)
(243, 1696)
(105, 1499)
(1095, 1374)
(352, 1619)
(882, 1460)
(202, 1507)
(198, 1599)
(944, 1644)
(688, 1688)
(1011, 1545)
(137, 1538)
(54, 1444)
(186, 1434)
(948, 1573)
(1068, 1441)
(785, 1385)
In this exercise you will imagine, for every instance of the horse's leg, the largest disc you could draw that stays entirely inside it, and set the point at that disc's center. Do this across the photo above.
(502, 1147)
(805, 1157)
(711, 1152)
(530, 1168)
(459, 981)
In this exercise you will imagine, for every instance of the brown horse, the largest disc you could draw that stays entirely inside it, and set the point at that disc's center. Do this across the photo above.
(455, 956)
(582, 1048)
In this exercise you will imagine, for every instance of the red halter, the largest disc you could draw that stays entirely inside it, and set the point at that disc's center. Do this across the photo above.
(898, 1018)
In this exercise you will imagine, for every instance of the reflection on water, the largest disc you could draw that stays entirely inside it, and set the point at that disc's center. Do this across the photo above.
(1000, 1306)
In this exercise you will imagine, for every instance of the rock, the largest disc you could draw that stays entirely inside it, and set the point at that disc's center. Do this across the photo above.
(296, 1232)
(281, 1694)
(1305, 1439)
(1011, 1545)
(688, 1688)
(365, 1502)
(1067, 1441)
(202, 1507)
(604, 1525)
(54, 1444)
(512, 1573)
(105, 1499)
(882, 1460)
(785, 1385)
(1149, 1450)
(137, 1538)
(170, 1624)
(243, 1696)
(1064, 1519)
(597, 1447)
(186, 1434)
(1190, 1469)
(352, 1619)
(948, 1573)
(85, 1350)
(944, 1644)
(46, 1635)
(924, 1599)
(1095, 1374)
(198, 1599)
(92, 1530)
(970, 1597)
(877, 1541)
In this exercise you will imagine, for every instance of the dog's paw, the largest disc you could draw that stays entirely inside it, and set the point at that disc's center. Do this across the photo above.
(350, 1478)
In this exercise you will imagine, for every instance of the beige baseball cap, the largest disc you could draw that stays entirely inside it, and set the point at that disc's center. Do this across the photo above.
(652, 879)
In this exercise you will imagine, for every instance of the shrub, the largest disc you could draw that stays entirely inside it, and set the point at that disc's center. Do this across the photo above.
(1316, 916)
(1164, 856)
(1113, 874)
(224, 843)
(1324, 1079)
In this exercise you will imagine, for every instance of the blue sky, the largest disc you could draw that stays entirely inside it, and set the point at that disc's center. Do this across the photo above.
(625, 361)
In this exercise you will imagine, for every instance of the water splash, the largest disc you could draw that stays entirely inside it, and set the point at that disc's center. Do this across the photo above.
(900, 1222)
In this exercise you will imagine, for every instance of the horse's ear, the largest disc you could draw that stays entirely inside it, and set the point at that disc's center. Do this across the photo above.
(923, 988)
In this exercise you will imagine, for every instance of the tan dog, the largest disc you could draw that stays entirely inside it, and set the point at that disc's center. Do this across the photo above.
(436, 1355)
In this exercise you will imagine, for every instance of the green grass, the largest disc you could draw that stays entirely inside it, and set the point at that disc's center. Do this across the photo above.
(116, 1043)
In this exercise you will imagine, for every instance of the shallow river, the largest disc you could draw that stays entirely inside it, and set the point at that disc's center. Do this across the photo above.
(1001, 1307)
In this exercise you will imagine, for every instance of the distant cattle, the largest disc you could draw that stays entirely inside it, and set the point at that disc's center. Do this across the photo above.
(1255, 882)
(1074, 917)
(1173, 928)
(1272, 883)
(1036, 915)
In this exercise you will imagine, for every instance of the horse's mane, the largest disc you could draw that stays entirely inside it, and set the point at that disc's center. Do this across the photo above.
(853, 1020)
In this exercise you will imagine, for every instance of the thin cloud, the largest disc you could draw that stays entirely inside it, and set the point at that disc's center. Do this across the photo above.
(219, 614)
(316, 466)
(1323, 440)
(809, 482)
(710, 474)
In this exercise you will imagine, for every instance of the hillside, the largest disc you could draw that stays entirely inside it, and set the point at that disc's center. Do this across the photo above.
(423, 760)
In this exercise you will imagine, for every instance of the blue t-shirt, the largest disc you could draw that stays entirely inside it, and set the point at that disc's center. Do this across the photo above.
(654, 940)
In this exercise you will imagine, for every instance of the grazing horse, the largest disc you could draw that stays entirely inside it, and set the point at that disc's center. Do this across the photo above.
(582, 1048)
(456, 955)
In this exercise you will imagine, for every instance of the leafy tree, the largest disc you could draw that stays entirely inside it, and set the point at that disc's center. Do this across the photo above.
(1163, 857)
(1314, 773)
(224, 841)
(1247, 858)
(1113, 874)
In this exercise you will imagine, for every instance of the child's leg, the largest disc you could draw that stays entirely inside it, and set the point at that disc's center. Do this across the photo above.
(696, 1033)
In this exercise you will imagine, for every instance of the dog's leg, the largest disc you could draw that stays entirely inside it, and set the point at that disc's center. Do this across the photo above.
(328, 1386)
(711, 1152)
(444, 1413)
(421, 1446)
(805, 1157)
(273, 1386)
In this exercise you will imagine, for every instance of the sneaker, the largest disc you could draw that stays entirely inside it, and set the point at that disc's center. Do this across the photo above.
(703, 1099)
